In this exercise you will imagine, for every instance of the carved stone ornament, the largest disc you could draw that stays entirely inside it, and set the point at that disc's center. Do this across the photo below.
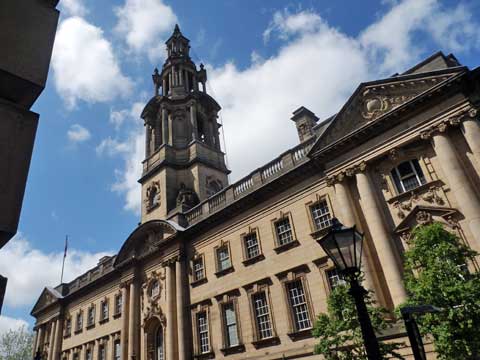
(152, 198)
(423, 217)
(452, 121)
(186, 196)
(376, 105)
(432, 196)
(149, 300)
(349, 172)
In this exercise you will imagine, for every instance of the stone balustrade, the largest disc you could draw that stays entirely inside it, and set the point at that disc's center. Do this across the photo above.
(263, 175)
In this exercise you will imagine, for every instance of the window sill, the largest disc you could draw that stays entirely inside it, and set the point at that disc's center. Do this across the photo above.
(286, 246)
(417, 190)
(253, 260)
(103, 321)
(224, 271)
(198, 282)
(77, 331)
(66, 336)
(233, 349)
(319, 233)
(91, 326)
(208, 355)
(271, 341)
(300, 334)
(117, 315)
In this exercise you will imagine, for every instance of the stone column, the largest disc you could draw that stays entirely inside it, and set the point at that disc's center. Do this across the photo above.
(35, 343)
(460, 186)
(57, 346)
(95, 349)
(471, 131)
(158, 131)
(348, 218)
(382, 241)
(170, 129)
(165, 126)
(133, 326)
(170, 333)
(180, 287)
(40, 339)
(148, 134)
(164, 87)
(111, 352)
(193, 121)
(125, 315)
(51, 341)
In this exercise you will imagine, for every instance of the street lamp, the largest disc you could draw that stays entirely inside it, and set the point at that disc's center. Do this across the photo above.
(344, 246)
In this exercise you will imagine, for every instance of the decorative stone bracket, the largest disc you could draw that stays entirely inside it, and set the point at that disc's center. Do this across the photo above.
(348, 172)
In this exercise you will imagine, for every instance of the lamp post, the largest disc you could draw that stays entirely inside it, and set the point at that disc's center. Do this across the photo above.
(344, 246)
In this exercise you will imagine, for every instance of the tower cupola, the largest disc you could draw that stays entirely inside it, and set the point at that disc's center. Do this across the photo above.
(184, 163)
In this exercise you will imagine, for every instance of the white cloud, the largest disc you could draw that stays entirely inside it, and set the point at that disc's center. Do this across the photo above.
(286, 24)
(78, 133)
(132, 151)
(144, 24)
(73, 7)
(24, 287)
(84, 65)
(8, 323)
(393, 40)
(319, 66)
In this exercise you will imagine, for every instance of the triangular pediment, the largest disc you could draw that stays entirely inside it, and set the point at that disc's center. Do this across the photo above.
(48, 297)
(421, 215)
(146, 239)
(374, 101)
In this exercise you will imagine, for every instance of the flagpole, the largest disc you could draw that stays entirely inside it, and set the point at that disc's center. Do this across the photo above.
(64, 256)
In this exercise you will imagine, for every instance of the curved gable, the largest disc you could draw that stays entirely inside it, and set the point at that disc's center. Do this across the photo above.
(145, 239)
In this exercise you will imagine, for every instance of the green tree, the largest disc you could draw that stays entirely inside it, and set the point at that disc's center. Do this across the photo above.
(339, 333)
(16, 344)
(436, 274)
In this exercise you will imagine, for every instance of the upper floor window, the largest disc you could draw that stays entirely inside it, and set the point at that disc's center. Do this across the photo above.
(198, 269)
(334, 278)
(263, 321)
(284, 231)
(104, 309)
(68, 327)
(407, 176)
(202, 332)
(88, 354)
(76, 356)
(155, 288)
(79, 322)
(223, 258)
(251, 245)
(321, 214)
(118, 304)
(91, 316)
(298, 305)
(230, 325)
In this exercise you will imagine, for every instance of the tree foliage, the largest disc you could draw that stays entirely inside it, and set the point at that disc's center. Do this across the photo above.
(436, 274)
(16, 344)
(339, 333)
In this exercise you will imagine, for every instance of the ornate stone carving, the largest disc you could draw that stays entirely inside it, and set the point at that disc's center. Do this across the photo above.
(349, 172)
(423, 217)
(452, 121)
(376, 105)
(149, 300)
(152, 196)
(432, 196)
(186, 196)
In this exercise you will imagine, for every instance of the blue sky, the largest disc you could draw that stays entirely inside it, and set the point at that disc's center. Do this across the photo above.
(264, 60)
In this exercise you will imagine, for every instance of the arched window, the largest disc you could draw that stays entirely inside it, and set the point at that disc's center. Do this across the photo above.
(159, 344)
(408, 175)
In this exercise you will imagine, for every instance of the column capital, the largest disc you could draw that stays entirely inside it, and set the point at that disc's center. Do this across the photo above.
(171, 261)
(455, 120)
(348, 172)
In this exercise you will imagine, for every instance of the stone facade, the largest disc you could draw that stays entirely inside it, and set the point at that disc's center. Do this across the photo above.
(218, 271)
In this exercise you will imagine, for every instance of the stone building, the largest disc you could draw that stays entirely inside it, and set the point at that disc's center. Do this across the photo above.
(234, 271)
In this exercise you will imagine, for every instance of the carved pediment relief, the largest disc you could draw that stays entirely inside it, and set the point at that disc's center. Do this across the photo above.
(146, 239)
(423, 215)
(372, 100)
(47, 298)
